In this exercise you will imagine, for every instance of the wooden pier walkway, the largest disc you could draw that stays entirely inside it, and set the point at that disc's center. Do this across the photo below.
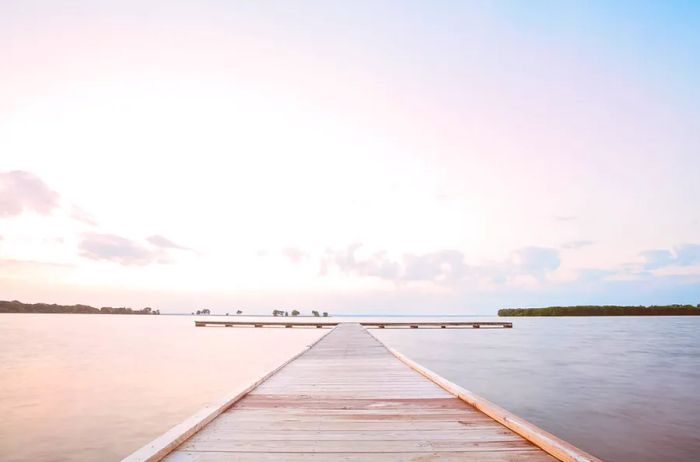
(350, 398)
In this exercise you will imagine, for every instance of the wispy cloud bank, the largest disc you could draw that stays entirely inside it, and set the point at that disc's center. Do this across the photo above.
(375, 265)
(574, 245)
(165, 243)
(447, 266)
(119, 249)
(658, 258)
(688, 254)
(294, 254)
(536, 261)
(441, 266)
(81, 215)
(594, 275)
(124, 251)
(22, 191)
(682, 255)
(13, 264)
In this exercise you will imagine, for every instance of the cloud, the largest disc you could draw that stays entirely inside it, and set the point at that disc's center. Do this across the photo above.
(573, 245)
(294, 254)
(535, 260)
(446, 266)
(441, 266)
(165, 243)
(688, 254)
(14, 264)
(81, 215)
(22, 191)
(119, 250)
(657, 258)
(376, 265)
(594, 274)
(682, 255)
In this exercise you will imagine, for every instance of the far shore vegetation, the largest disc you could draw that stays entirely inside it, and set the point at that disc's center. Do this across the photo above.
(314, 313)
(15, 306)
(19, 307)
(604, 310)
(294, 312)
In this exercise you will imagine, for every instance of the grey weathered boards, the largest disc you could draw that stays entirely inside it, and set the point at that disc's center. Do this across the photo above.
(348, 398)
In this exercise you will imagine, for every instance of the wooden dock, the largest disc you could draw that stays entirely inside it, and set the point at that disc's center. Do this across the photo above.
(372, 324)
(350, 398)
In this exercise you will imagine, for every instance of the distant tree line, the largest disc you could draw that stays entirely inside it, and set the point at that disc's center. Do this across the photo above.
(605, 310)
(296, 313)
(19, 307)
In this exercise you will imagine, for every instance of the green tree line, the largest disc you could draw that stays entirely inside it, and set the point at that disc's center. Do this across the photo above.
(604, 310)
(297, 313)
(19, 307)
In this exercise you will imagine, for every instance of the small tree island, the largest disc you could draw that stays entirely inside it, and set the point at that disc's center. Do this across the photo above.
(604, 310)
(295, 312)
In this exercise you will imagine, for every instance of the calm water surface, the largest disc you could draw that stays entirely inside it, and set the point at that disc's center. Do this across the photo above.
(80, 387)
(96, 387)
(625, 389)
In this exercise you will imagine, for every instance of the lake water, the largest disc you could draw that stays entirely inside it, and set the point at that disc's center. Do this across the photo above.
(97, 387)
(80, 387)
(625, 389)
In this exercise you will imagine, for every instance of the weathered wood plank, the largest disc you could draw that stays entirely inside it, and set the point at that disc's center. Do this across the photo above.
(469, 435)
(349, 426)
(515, 442)
(525, 455)
(256, 401)
(357, 416)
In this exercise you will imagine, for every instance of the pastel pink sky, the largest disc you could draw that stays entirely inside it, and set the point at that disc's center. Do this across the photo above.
(388, 157)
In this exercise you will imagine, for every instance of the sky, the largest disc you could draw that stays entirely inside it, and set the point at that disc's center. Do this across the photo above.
(393, 157)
